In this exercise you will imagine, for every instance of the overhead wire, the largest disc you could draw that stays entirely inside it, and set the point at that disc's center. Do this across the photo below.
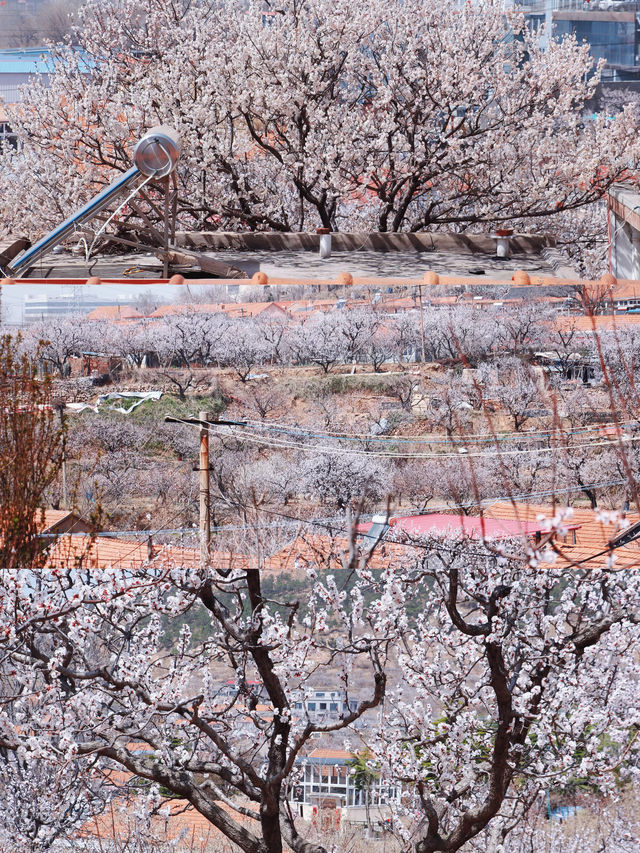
(281, 444)
(421, 545)
(338, 520)
(427, 439)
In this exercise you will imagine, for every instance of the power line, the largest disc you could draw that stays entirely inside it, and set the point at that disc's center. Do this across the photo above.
(427, 439)
(462, 452)
(431, 547)
(338, 520)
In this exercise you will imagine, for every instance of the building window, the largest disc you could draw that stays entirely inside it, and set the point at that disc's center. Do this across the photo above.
(7, 137)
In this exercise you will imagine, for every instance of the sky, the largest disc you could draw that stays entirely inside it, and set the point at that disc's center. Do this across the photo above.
(13, 295)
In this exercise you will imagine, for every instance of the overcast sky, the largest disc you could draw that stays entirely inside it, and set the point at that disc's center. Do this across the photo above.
(13, 295)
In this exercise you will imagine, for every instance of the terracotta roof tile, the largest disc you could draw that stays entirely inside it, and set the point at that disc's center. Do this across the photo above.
(590, 533)
(330, 753)
(599, 322)
(200, 308)
(114, 312)
(105, 552)
(181, 820)
(53, 517)
(586, 557)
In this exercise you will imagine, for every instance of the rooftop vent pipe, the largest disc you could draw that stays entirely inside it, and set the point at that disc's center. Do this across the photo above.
(325, 242)
(155, 156)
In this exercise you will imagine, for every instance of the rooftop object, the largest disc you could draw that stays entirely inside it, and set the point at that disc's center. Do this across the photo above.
(155, 157)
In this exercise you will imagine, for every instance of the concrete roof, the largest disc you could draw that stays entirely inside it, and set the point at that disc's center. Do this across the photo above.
(364, 264)
(302, 264)
(607, 15)
(66, 265)
(295, 256)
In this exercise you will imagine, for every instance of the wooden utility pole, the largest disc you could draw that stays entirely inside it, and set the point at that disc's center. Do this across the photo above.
(421, 325)
(205, 489)
(59, 405)
(205, 421)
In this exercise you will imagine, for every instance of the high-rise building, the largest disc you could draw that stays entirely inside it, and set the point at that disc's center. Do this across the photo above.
(72, 300)
(610, 27)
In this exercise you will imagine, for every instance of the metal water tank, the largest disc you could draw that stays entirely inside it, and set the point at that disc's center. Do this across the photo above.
(157, 153)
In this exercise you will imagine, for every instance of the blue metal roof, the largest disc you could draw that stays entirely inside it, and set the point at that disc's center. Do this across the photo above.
(29, 60)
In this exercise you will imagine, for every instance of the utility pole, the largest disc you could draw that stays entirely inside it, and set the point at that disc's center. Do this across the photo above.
(205, 421)
(421, 325)
(59, 405)
(431, 278)
(205, 489)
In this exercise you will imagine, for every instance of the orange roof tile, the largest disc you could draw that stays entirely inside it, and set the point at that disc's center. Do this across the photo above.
(591, 533)
(599, 322)
(176, 308)
(114, 312)
(627, 289)
(330, 753)
(119, 822)
(104, 552)
(53, 517)
(568, 556)
(320, 552)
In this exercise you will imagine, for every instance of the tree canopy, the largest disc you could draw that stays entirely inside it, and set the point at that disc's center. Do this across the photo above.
(408, 115)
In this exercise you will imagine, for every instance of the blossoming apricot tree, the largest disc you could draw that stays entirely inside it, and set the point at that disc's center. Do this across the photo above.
(511, 672)
(408, 115)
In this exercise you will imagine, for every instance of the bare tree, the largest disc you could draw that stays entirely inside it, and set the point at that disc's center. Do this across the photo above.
(32, 443)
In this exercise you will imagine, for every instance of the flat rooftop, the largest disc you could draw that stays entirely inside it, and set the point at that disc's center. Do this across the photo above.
(304, 265)
(67, 265)
(307, 265)
(296, 256)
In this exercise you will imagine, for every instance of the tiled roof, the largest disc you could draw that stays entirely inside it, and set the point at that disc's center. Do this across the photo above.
(500, 520)
(626, 290)
(118, 822)
(314, 551)
(243, 309)
(59, 521)
(114, 312)
(53, 517)
(599, 322)
(105, 552)
(320, 552)
(591, 533)
(589, 558)
(199, 307)
(330, 753)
